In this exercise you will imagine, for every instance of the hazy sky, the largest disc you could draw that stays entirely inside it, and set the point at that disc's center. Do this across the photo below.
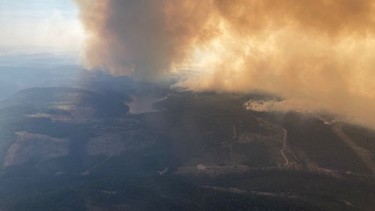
(318, 54)
(39, 26)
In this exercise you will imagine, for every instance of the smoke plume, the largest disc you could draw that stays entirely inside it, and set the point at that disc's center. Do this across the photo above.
(320, 52)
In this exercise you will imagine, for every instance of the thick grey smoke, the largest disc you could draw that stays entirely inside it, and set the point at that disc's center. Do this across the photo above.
(144, 38)
(320, 52)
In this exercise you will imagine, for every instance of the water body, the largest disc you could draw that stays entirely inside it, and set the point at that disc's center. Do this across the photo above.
(143, 104)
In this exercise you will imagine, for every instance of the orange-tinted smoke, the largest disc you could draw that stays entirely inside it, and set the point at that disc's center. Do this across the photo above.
(318, 51)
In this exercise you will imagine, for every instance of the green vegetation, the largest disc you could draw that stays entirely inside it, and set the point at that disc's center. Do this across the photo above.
(213, 130)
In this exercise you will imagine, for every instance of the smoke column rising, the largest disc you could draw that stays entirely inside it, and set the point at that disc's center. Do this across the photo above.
(144, 38)
(318, 51)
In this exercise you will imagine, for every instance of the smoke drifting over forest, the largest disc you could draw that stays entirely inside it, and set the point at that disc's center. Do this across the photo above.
(320, 52)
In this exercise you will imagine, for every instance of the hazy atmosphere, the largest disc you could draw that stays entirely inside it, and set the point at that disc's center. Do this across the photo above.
(187, 105)
(39, 26)
(316, 53)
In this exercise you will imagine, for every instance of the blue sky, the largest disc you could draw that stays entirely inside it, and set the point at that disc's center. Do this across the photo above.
(34, 8)
(40, 26)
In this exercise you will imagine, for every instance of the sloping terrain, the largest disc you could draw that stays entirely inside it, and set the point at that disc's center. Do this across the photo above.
(78, 149)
